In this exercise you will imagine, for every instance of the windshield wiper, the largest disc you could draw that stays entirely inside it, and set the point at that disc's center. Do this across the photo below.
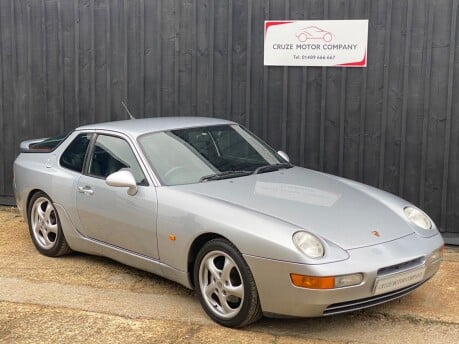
(272, 167)
(224, 175)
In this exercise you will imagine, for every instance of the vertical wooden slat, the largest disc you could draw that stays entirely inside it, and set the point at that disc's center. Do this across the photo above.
(248, 86)
(265, 84)
(406, 69)
(285, 91)
(2, 115)
(323, 99)
(304, 97)
(428, 32)
(211, 57)
(108, 79)
(125, 52)
(45, 60)
(342, 107)
(141, 77)
(229, 74)
(382, 146)
(158, 59)
(76, 14)
(93, 65)
(62, 114)
(194, 62)
(363, 108)
(449, 102)
(177, 59)
(29, 67)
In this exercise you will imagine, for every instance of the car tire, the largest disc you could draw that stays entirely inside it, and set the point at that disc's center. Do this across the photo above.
(225, 285)
(45, 227)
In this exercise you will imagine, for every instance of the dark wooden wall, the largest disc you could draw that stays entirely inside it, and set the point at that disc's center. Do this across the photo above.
(394, 124)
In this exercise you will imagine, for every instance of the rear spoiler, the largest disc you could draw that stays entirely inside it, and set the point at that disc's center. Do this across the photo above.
(43, 145)
(25, 145)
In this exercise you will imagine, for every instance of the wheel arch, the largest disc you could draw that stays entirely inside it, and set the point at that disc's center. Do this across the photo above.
(195, 247)
(29, 197)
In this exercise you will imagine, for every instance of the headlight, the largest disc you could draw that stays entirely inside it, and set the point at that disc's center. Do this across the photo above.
(309, 244)
(418, 217)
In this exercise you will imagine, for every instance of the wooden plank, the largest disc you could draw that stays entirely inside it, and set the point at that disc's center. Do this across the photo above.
(203, 58)
(60, 48)
(229, 63)
(92, 108)
(108, 62)
(168, 51)
(323, 99)
(77, 60)
(158, 58)
(141, 75)
(185, 50)
(265, 84)
(285, 92)
(382, 148)
(406, 70)
(426, 103)
(29, 69)
(44, 61)
(248, 74)
(211, 57)
(449, 100)
(177, 58)
(3, 160)
(194, 59)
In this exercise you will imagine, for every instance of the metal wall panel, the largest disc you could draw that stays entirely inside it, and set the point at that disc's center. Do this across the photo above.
(394, 124)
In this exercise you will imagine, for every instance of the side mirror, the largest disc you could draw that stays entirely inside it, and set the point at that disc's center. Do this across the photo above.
(123, 179)
(284, 155)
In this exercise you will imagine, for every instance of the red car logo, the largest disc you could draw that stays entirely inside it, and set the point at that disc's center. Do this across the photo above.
(313, 32)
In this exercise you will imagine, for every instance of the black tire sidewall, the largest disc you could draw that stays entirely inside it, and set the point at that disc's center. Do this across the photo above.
(241, 318)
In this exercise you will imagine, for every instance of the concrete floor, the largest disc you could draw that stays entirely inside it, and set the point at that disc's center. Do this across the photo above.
(87, 299)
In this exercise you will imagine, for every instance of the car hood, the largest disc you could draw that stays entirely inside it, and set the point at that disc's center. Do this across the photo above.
(348, 213)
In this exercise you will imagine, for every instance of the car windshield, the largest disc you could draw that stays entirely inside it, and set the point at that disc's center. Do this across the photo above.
(193, 155)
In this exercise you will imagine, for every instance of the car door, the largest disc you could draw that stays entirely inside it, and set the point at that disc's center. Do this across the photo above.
(108, 214)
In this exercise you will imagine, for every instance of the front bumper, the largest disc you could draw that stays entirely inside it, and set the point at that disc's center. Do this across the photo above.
(279, 297)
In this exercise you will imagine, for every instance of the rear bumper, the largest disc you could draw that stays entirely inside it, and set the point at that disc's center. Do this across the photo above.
(279, 297)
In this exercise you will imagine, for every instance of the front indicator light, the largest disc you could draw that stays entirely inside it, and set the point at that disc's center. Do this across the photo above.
(329, 282)
(312, 282)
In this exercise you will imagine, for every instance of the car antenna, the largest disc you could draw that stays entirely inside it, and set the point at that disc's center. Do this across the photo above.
(127, 110)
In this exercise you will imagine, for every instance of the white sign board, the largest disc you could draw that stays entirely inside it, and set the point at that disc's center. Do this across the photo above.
(332, 43)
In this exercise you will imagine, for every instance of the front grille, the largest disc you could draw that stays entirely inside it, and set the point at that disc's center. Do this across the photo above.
(354, 305)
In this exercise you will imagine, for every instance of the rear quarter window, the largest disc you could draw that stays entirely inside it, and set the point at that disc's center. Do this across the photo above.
(74, 155)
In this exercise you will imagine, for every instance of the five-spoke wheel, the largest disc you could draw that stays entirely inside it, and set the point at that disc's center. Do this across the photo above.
(226, 287)
(44, 226)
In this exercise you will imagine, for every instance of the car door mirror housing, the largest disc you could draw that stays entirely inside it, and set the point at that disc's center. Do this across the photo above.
(284, 155)
(123, 179)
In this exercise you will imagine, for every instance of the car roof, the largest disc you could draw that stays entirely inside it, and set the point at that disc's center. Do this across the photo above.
(136, 127)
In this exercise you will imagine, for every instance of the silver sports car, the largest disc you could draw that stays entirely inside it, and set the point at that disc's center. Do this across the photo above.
(205, 203)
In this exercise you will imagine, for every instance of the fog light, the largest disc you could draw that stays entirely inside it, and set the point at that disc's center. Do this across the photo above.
(348, 280)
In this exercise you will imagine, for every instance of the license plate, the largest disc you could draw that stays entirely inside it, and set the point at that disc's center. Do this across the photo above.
(398, 281)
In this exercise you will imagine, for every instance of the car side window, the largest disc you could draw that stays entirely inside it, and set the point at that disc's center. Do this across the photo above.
(74, 154)
(112, 154)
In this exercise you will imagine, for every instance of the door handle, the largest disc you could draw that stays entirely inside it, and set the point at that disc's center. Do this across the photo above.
(85, 190)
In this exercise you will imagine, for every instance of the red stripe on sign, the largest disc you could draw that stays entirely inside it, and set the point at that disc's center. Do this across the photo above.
(361, 63)
(272, 23)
